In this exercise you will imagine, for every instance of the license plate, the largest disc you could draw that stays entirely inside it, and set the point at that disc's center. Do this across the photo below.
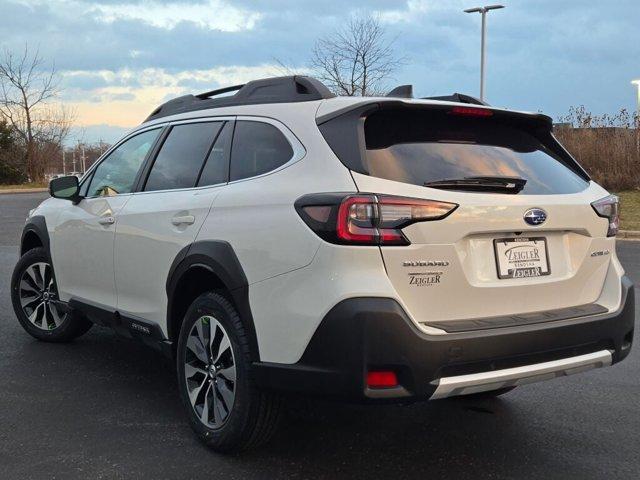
(521, 257)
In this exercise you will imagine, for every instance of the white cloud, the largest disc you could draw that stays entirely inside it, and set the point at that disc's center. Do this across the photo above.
(161, 78)
(211, 14)
(415, 9)
(125, 97)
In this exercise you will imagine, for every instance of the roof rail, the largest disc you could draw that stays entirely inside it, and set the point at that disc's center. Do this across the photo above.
(219, 91)
(296, 88)
(459, 98)
(402, 91)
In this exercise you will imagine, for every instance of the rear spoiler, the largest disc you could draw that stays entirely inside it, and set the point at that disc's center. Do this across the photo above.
(363, 109)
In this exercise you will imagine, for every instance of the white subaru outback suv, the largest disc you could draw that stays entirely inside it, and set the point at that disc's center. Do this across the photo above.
(282, 239)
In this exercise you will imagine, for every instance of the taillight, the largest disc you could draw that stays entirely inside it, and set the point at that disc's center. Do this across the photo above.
(367, 219)
(470, 112)
(609, 207)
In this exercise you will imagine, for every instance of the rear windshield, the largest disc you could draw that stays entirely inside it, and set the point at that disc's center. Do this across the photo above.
(423, 147)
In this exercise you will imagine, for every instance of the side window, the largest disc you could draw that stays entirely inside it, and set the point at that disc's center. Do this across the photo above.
(117, 173)
(257, 148)
(181, 157)
(216, 170)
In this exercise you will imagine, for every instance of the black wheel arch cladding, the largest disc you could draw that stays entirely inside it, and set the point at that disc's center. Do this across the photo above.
(36, 225)
(219, 258)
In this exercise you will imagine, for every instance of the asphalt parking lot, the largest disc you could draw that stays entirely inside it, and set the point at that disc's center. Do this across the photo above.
(105, 407)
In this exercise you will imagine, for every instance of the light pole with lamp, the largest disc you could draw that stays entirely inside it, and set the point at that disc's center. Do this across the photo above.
(483, 11)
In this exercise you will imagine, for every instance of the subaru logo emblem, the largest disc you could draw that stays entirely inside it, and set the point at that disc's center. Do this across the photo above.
(535, 216)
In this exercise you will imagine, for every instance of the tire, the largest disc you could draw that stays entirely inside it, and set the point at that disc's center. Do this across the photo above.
(228, 413)
(34, 296)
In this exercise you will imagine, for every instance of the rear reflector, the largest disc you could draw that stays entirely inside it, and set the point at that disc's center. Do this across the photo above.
(382, 379)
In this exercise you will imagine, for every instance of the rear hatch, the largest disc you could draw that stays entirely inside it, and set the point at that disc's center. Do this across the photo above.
(524, 237)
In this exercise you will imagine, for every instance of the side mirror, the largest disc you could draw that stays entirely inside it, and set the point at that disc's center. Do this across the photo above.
(66, 188)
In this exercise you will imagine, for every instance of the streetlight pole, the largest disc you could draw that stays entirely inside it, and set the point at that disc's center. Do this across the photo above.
(637, 84)
(637, 122)
(483, 11)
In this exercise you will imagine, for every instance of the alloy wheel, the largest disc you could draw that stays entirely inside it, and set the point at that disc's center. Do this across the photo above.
(210, 372)
(39, 297)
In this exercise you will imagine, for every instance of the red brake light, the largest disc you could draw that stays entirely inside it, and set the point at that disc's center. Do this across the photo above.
(471, 112)
(382, 379)
(356, 220)
(367, 219)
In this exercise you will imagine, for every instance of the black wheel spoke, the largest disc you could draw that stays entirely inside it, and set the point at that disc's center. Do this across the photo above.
(55, 314)
(37, 313)
(226, 394)
(46, 318)
(28, 285)
(194, 344)
(30, 303)
(38, 271)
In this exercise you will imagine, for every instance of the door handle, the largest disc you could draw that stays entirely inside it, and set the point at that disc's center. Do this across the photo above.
(107, 220)
(183, 220)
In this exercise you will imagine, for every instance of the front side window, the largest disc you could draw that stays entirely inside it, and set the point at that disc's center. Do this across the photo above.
(117, 173)
(257, 148)
(182, 155)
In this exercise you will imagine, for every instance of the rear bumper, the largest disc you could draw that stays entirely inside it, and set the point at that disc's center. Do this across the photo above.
(361, 334)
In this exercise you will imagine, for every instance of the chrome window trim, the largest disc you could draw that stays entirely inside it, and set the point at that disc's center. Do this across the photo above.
(186, 189)
(299, 152)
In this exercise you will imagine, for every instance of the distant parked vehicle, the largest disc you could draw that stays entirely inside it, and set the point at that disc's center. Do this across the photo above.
(53, 176)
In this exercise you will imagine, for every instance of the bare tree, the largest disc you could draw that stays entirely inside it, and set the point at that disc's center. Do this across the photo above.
(357, 59)
(286, 69)
(26, 91)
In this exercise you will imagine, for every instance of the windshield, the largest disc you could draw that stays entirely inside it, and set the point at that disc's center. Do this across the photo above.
(420, 148)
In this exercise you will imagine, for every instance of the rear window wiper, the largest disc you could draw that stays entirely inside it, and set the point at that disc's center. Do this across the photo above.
(481, 184)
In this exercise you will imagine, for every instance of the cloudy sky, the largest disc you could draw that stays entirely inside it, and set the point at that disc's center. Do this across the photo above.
(118, 59)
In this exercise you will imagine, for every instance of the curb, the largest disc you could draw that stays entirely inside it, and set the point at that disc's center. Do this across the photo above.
(23, 190)
(629, 235)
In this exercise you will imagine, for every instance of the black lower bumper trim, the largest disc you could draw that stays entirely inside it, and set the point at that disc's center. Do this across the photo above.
(519, 320)
(360, 334)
